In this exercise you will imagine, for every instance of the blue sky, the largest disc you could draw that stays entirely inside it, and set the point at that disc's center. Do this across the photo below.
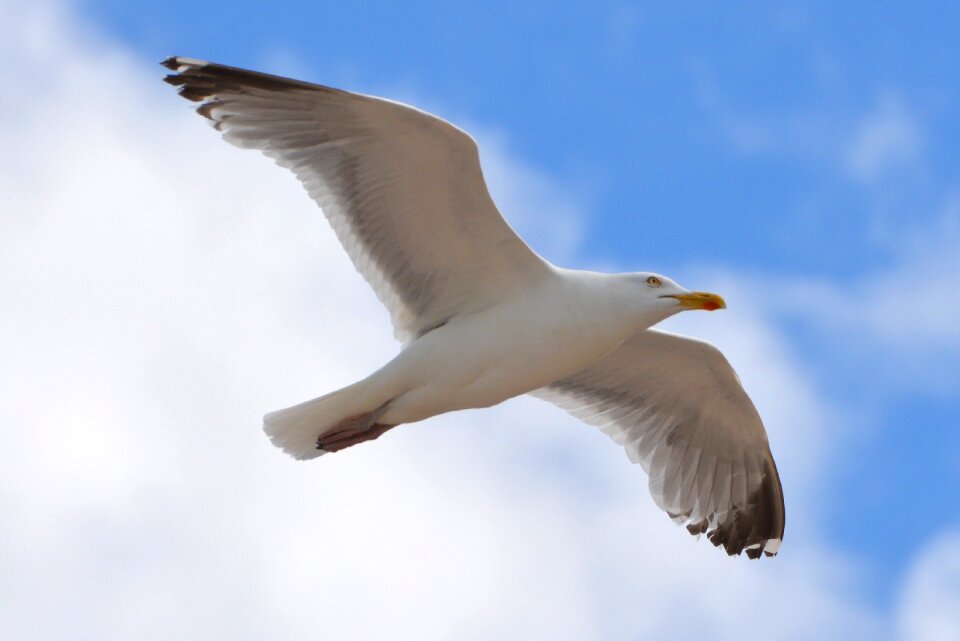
(640, 110)
(803, 155)
(634, 105)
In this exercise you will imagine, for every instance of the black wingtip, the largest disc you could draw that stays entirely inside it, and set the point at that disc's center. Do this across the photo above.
(200, 79)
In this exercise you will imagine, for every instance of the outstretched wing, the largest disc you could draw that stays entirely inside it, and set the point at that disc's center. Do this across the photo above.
(402, 189)
(678, 408)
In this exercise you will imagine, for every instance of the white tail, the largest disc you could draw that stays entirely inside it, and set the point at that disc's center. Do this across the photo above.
(296, 429)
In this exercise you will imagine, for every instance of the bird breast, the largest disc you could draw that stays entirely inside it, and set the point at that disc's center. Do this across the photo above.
(512, 348)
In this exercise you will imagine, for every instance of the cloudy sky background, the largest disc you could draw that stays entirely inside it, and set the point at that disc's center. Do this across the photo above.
(160, 291)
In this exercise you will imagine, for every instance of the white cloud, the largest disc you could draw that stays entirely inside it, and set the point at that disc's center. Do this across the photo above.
(902, 314)
(887, 138)
(907, 306)
(887, 141)
(541, 211)
(930, 603)
(162, 290)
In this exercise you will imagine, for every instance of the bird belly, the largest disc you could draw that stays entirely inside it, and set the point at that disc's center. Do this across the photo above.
(486, 358)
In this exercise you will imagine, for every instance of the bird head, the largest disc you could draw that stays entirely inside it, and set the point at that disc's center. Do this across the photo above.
(669, 298)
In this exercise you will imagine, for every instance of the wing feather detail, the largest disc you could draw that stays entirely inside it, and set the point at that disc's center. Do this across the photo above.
(403, 190)
(678, 408)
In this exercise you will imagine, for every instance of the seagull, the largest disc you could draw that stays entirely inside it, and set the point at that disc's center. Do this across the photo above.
(483, 318)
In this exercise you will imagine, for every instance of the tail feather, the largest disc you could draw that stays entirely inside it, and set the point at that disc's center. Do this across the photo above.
(296, 429)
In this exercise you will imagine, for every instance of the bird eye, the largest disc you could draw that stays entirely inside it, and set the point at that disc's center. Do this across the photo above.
(653, 281)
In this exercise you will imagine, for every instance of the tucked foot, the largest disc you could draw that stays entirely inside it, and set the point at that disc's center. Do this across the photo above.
(350, 432)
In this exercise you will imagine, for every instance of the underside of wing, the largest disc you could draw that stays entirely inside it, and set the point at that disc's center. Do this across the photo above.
(402, 189)
(678, 408)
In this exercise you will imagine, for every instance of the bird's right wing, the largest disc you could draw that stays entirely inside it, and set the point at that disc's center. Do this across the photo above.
(678, 408)
(402, 189)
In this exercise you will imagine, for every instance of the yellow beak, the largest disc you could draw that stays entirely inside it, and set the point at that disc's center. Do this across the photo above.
(700, 300)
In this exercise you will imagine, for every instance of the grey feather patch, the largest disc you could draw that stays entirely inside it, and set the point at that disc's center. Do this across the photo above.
(710, 469)
(402, 189)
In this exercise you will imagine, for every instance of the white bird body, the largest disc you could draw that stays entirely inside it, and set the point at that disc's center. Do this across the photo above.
(562, 324)
(483, 318)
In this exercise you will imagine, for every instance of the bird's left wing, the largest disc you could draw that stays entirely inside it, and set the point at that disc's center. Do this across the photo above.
(402, 189)
(678, 408)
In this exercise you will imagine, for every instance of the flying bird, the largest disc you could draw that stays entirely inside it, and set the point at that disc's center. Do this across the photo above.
(483, 318)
